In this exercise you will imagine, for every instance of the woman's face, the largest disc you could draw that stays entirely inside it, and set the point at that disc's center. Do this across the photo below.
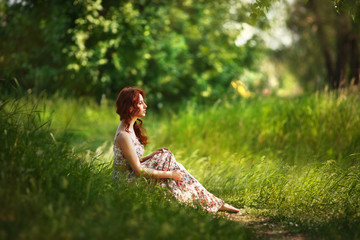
(141, 105)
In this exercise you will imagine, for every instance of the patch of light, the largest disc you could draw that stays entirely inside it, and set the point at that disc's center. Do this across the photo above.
(12, 2)
(247, 32)
(278, 35)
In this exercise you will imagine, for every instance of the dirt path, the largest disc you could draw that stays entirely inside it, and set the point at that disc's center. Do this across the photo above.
(263, 227)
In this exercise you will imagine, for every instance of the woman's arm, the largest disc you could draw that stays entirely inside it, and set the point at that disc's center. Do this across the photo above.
(143, 159)
(128, 150)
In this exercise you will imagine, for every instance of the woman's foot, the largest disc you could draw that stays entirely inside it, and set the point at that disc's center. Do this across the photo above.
(229, 208)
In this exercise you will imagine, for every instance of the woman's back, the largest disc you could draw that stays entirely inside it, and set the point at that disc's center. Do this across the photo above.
(120, 163)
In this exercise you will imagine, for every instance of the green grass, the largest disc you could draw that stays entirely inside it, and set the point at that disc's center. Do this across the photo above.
(49, 191)
(294, 160)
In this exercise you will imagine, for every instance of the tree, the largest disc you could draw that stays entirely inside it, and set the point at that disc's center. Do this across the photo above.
(175, 49)
(328, 34)
(342, 62)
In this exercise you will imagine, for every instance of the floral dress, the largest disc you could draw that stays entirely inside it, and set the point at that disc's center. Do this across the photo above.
(187, 190)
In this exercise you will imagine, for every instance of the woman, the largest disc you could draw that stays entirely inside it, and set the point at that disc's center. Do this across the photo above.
(161, 165)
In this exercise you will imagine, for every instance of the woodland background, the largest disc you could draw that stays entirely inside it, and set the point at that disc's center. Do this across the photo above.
(178, 50)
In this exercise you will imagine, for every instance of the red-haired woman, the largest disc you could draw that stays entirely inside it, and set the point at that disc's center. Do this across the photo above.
(128, 148)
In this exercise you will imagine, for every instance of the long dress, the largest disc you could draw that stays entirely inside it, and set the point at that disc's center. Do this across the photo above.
(188, 190)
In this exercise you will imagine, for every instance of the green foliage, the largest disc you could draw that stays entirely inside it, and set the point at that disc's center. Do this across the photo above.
(326, 43)
(175, 49)
(351, 7)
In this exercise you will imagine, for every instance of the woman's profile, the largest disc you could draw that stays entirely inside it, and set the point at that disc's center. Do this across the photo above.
(161, 165)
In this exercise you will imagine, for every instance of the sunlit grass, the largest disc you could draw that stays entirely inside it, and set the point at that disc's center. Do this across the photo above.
(50, 191)
(295, 160)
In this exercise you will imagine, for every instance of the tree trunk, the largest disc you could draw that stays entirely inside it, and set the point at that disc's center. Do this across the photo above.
(354, 60)
(323, 39)
(343, 50)
(346, 67)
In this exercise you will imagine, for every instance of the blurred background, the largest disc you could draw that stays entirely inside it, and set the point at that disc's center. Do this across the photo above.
(179, 50)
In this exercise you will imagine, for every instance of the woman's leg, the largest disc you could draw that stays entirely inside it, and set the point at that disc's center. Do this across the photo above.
(189, 189)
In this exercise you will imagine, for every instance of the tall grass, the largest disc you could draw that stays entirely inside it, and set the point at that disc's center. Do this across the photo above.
(48, 192)
(299, 131)
(295, 160)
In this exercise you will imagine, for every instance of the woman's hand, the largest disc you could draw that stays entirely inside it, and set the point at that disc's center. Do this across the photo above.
(177, 175)
(159, 150)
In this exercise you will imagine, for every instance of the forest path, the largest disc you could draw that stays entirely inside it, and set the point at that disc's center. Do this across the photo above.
(264, 228)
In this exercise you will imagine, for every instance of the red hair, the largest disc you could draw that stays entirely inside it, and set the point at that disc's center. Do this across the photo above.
(126, 107)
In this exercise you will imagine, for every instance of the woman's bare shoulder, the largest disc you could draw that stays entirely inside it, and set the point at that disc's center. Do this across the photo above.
(123, 138)
(123, 141)
(122, 135)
